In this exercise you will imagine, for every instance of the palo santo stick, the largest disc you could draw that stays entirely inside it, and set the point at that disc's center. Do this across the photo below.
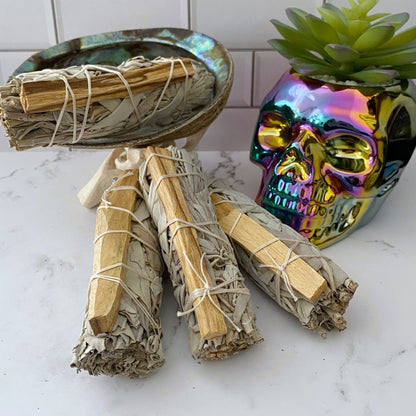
(211, 321)
(110, 249)
(39, 96)
(250, 235)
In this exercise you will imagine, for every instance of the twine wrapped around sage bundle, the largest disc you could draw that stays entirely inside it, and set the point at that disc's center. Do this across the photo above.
(227, 283)
(133, 347)
(109, 122)
(324, 314)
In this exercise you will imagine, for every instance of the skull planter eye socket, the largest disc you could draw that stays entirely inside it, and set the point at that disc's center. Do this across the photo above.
(349, 154)
(330, 154)
(274, 131)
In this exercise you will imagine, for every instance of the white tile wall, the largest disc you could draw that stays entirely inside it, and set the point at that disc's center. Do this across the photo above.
(9, 61)
(268, 68)
(77, 18)
(241, 25)
(242, 86)
(26, 24)
(232, 130)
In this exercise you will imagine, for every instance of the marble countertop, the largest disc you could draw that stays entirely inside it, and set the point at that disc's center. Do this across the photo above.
(46, 258)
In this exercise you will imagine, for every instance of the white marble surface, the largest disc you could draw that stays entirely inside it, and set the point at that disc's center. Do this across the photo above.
(46, 258)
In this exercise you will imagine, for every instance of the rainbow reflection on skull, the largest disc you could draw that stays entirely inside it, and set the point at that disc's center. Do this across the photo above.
(330, 154)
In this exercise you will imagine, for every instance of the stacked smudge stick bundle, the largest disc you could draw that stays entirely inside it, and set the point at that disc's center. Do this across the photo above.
(157, 212)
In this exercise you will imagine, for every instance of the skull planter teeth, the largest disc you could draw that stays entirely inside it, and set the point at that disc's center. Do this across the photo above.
(331, 153)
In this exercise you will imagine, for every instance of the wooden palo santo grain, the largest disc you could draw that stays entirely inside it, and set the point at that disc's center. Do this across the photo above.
(210, 320)
(110, 249)
(250, 235)
(39, 96)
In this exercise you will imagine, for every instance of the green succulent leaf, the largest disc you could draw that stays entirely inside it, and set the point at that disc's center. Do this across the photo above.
(402, 38)
(341, 53)
(376, 16)
(321, 30)
(367, 5)
(334, 17)
(296, 37)
(397, 20)
(400, 58)
(304, 67)
(286, 31)
(353, 4)
(348, 43)
(374, 37)
(289, 50)
(406, 71)
(282, 47)
(388, 51)
(347, 12)
(375, 76)
(360, 10)
(298, 19)
(356, 28)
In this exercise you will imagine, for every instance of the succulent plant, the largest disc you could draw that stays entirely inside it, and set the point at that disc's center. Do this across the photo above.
(349, 43)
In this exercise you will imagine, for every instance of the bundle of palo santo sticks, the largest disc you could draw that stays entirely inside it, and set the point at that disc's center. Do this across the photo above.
(161, 206)
(104, 106)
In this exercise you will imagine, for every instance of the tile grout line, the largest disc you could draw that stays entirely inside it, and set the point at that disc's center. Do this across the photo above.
(243, 107)
(189, 14)
(253, 63)
(250, 49)
(55, 21)
(19, 50)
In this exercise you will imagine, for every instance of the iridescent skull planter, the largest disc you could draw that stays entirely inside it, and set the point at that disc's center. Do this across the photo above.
(331, 153)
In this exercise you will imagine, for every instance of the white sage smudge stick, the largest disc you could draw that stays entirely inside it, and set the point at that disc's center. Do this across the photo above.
(112, 237)
(211, 322)
(41, 96)
(227, 282)
(324, 314)
(133, 346)
(108, 122)
(269, 250)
